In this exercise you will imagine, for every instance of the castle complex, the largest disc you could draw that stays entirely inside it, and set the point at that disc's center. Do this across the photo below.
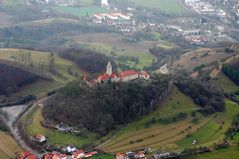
(123, 76)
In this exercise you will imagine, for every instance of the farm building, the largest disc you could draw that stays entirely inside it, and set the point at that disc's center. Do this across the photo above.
(40, 138)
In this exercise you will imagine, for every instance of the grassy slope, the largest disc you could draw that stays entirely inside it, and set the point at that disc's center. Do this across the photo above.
(8, 147)
(173, 136)
(230, 153)
(211, 132)
(225, 83)
(114, 46)
(42, 86)
(157, 135)
(54, 137)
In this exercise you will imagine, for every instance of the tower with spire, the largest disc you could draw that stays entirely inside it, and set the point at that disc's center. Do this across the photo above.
(104, 3)
(109, 69)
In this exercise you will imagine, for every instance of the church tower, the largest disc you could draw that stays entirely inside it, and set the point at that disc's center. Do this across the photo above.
(109, 69)
(104, 3)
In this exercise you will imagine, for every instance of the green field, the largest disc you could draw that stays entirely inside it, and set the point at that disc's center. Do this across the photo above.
(228, 153)
(54, 137)
(145, 59)
(81, 11)
(114, 46)
(169, 6)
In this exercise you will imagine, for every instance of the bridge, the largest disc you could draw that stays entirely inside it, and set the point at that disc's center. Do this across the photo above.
(26, 68)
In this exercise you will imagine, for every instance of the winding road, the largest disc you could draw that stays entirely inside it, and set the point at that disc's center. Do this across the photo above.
(15, 113)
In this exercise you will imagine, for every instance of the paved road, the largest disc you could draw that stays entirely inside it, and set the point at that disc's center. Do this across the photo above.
(13, 112)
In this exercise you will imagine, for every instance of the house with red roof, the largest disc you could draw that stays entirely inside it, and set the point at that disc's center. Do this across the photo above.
(58, 155)
(90, 154)
(78, 154)
(48, 156)
(40, 138)
(144, 75)
(120, 156)
(27, 155)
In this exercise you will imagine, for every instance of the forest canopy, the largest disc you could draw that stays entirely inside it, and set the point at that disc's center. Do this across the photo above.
(13, 78)
(88, 60)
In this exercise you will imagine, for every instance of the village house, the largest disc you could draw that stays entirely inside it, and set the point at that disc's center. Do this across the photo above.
(120, 156)
(48, 156)
(131, 155)
(78, 154)
(27, 155)
(40, 138)
(58, 155)
(123, 76)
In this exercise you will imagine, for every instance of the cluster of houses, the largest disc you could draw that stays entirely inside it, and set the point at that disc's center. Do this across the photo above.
(131, 155)
(77, 154)
(123, 76)
(205, 8)
(68, 152)
(112, 16)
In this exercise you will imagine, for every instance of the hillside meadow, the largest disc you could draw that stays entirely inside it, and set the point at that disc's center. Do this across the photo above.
(139, 135)
(43, 86)
(8, 147)
(175, 135)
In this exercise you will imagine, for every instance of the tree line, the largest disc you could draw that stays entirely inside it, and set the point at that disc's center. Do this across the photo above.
(232, 72)
(12, 78)
(208, 97)
(88, 60)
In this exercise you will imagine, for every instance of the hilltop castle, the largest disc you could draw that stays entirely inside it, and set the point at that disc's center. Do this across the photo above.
(123, 76)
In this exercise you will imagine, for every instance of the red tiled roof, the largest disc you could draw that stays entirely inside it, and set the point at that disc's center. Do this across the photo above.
(107, 76)
(114, 75)
(144, 73)
(31, 157)
(39, 136)
(48, 156)
(127, 73)
(75, 154)
(60, 155)
(104, 76)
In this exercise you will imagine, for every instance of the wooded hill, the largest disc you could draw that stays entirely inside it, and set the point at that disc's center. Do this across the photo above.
(88, 60)
(101, 108)
(12, 78)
